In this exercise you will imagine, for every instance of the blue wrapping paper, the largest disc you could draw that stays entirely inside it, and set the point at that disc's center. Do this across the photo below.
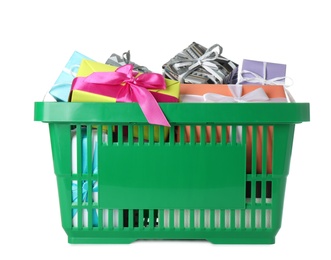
(62, 86)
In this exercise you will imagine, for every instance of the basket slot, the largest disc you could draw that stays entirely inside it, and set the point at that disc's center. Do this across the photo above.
(248, 218)
(209, 134)
(259, 141)
(176, 218)
(83, 149)
(268, 220)
(84, 217)
(76, 148)
(83, 202)
(259, 192)
(268, 191)
(237, 218)
(140, 218)
(187, 219)
(166, 218)
(150, 218)
(258, 218)
(105, 218)
(207, 218)
(217, 221)
(113, 217)
(196, 219)
(140, 134)
(248, 191)
(84, 188)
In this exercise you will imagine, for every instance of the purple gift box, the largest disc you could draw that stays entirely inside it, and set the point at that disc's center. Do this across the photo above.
(264, 73)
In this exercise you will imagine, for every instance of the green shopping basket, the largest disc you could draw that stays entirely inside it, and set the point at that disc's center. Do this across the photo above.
(206, 177)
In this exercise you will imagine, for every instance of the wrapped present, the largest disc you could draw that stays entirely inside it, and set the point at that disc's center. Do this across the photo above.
(84, 184)
(235, 93)
(264, 73)
(199, 65)
(118, 61)
(231, 93)
(98, 82)
(62, 86)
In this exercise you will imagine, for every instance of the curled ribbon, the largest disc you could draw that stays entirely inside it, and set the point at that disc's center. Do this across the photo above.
(129, 89)
(206, 61)
(256, 78)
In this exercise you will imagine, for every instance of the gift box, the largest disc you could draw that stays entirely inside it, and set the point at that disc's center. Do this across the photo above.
(118, 61)
(264, 73)
(84, 184)
(198, 65)
(261, 72)
(62, 86)
(93, 84)
(234, 93)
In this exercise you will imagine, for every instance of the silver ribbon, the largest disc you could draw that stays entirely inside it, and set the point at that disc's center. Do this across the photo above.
(206, 61)
(116, 60)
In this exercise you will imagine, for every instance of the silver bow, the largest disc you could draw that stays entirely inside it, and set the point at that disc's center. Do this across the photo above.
(206, 61)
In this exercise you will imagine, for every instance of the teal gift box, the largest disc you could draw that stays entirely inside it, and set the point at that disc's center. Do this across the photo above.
(62, 86)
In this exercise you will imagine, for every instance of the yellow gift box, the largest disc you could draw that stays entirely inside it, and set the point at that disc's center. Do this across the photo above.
(87, 67)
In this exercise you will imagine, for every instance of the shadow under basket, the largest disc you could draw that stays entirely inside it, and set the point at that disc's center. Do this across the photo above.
(217, 174)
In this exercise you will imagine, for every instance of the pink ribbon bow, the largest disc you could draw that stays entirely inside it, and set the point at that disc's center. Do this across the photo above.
(125, 87)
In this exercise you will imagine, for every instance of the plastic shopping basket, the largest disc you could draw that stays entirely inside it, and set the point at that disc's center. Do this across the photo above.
(116, 185)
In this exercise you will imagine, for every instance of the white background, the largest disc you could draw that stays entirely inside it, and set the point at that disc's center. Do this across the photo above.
(37, 39)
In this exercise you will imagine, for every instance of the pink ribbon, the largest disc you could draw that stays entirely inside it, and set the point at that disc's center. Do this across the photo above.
(125, 87)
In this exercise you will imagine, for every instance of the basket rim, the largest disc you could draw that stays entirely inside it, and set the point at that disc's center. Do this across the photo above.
(176, 113)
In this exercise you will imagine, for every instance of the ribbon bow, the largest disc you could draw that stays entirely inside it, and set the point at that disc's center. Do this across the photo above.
(236, 91)
(262, 80)
(126, 58)
(128, 88)
(116, 60)
(206, 61)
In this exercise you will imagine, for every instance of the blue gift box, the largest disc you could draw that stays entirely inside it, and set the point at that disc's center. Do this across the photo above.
(62, 86)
